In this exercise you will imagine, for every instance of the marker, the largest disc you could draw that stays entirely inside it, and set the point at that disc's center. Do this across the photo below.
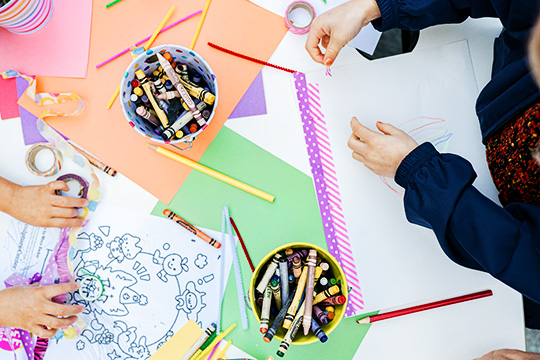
(192, 229)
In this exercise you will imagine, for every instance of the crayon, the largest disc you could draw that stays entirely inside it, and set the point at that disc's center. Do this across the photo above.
(138, 91)
(276, 291)
(330, 315)
(168, 95)
(301, 253)
(297, 267)
(265, 312)
(270, 270)
(216, 341)
(310, 284)
(325, 266)
(206, 114)
(145, 114)
(326, 294)
(291, 332)
(179, 134)
(169, 86)
(169, 58)
(182, 120)
(198, 92)
(205, 335)
(135, 99)
(284, 276)
(296, 301)
(323, 282)
(164, 105)
(328, 308)
(320, 315)
(145, 101)
(318, 331)
(278, 320)
(334, 300)
(177, 83)
(135, 83)
(259, 299)
(182, 71)
(291, 280)
(333, 281)
(196, 78)
(160, 88)
(192, 229)
(92, 160)
(289, 252)
(146, 87)
(193, 128)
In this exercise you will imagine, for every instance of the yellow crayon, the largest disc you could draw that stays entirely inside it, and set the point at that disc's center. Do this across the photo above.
(296, 300)
(146, 87)
(333, 290)
(291, 332)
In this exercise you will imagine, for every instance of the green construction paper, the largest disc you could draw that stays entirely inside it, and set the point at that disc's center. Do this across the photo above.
(294, 216)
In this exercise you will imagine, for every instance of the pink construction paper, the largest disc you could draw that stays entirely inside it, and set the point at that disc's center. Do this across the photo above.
(60, 48)
(9, 108)
(253, 102)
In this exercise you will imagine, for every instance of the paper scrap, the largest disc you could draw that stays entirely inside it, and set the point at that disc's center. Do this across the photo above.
(8, 99)
(179, 343)
(253, 102)
(31, 135)
(60, 48)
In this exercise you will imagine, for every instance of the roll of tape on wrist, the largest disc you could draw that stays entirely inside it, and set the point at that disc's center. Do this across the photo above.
(299, 5)
(83, 191)
(31, 159)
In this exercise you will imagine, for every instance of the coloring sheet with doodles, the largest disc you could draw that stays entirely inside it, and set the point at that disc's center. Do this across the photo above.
(144, 278)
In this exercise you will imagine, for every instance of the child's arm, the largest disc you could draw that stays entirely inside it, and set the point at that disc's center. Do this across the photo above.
(39, 205)
(31, 308)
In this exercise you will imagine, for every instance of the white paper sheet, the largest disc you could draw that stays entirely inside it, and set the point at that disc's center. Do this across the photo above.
(157, 276)
(366, 40)
(398, 262)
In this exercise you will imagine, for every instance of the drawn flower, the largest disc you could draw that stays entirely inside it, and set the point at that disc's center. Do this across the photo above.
(201, 261)
(80, 345)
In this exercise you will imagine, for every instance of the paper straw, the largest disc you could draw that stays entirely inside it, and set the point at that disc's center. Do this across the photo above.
(213, 173)
(199, 27)
(222, 353)
(160, 27)
(146, 39)
(216, 341)
(213, 352)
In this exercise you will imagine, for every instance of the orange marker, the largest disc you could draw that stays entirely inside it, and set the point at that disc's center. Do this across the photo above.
(192, 229)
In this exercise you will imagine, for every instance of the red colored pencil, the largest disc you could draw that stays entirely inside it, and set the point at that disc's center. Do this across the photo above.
(243, 245)
(423, 307)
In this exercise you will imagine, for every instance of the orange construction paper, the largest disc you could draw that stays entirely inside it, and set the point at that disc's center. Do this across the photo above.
(235, 24)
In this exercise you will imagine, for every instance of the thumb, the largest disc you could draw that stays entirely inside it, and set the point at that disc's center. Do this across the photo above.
(58, 185)
(334, 47)
(387, 129)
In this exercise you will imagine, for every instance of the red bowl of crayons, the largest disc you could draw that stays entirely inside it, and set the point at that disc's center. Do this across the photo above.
(280, 306)
(169, 94)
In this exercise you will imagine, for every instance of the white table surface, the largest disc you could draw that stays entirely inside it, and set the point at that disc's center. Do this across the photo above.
(461, 331)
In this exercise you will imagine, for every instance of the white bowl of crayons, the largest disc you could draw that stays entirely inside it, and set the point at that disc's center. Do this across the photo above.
(310, 272)
(169, 94)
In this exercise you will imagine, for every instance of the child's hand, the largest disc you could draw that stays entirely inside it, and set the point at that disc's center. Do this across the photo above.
(381, 153)
(31, 308)
(40, 206)
(336, 27)
(506, 354)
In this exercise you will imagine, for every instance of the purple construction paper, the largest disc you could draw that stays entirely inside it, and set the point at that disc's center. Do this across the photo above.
(31, 134)
(253, 102)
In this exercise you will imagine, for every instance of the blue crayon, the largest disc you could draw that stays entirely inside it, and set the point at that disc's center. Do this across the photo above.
(169, 85)
(318, 331)
(196, 78)
(164, 105)
(145, 101)
(320, 315)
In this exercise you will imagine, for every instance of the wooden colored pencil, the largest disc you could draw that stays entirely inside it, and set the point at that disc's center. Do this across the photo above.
(201, 22)
(213, 173)
(424, 307)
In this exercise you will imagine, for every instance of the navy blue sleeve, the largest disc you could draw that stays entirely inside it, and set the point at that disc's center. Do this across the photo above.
(419, 14)
(471, 229)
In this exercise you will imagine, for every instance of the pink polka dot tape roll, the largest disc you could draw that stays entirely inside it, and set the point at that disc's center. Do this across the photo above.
(293, 27)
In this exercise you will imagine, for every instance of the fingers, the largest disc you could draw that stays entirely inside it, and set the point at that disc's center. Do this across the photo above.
(355, 144)
(55, 309)
(65, 223)
(67, 201)
(41, 332)
(51, 291)
(58, 323)
(359, 157)
(67, 212)
(312, 43)
(361, 131)
(57, 185)
(335, 45)
(387, 129)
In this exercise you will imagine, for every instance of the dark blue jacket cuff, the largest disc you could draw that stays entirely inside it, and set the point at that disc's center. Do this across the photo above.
(413, 162)
(389, 15)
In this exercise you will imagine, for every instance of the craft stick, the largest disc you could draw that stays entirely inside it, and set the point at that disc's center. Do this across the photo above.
(243, 245)
(216, 341)
(213, 173)
(237, 271)
(159, 28)
(125, 51)
(249, 58)
(199, 27)
(424, 307)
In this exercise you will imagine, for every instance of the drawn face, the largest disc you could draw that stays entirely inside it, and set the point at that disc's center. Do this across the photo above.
(116, 250)
(172, 264)
(191, 301)
(128, 245)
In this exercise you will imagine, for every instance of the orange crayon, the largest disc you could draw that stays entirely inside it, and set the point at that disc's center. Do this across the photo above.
(192, 229)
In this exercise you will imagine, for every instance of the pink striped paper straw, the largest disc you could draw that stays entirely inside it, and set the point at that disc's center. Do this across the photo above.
(147, 38)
